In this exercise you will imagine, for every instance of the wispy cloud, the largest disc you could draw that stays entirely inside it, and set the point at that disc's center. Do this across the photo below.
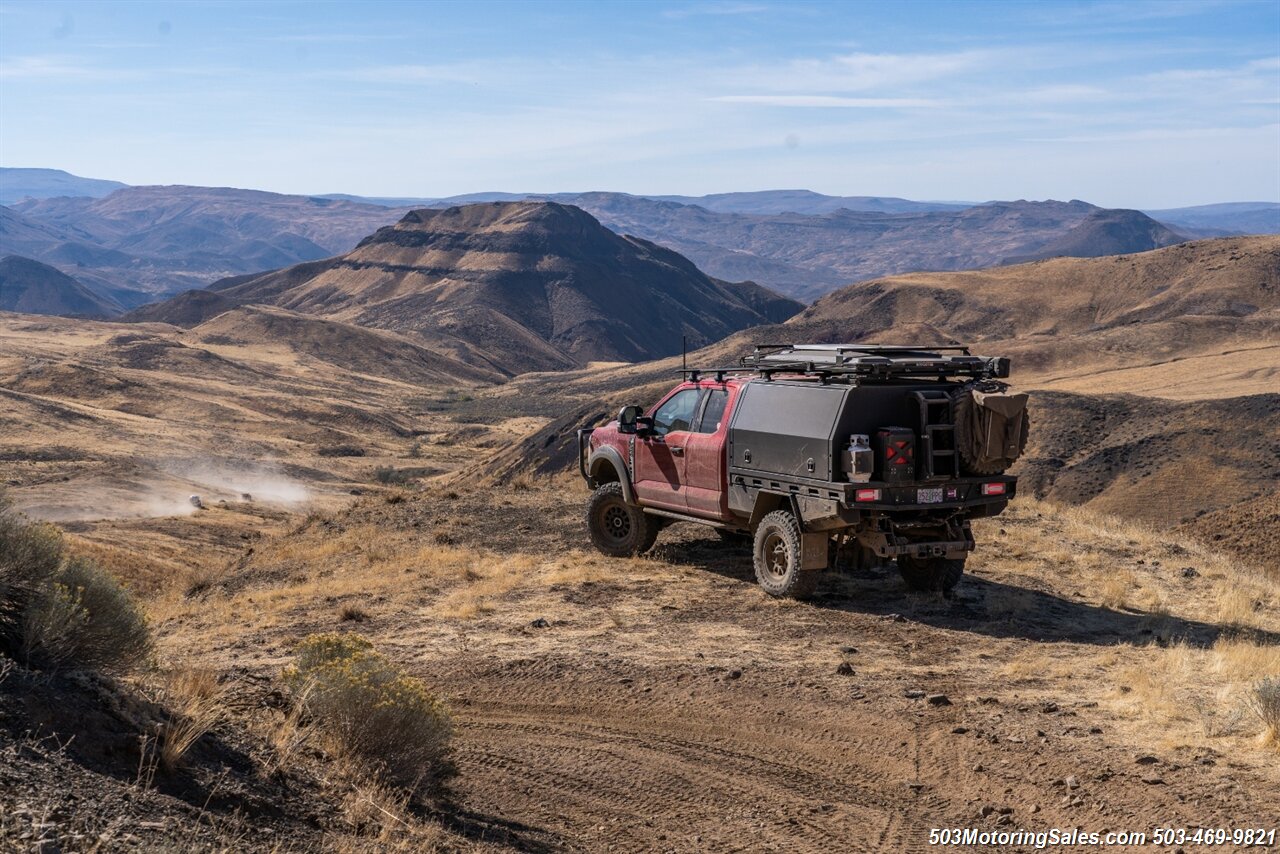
(716, 9)
(332, 38)
(858, 72)
(825, 101)
(1162, 135)
(1120, 12)
(59, 68)
(409, 73)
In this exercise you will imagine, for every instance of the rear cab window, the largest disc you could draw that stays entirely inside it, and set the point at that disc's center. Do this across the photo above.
(713, 410)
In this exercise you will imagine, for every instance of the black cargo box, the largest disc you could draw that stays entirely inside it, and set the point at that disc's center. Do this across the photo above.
(796, 428)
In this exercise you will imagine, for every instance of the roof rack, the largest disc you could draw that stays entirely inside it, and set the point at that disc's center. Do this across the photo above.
(872, 360)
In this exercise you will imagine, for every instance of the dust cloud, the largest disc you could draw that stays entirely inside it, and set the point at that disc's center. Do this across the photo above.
(213, 480)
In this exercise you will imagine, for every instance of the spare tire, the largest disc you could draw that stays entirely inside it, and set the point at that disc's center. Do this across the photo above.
(991, 430)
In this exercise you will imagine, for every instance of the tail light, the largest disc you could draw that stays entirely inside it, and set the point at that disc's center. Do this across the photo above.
(993, 488)
(866, 495)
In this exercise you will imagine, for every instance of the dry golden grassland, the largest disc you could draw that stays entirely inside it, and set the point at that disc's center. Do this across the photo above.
(1189, 646)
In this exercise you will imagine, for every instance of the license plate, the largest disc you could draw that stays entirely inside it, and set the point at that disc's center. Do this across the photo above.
(928, 496)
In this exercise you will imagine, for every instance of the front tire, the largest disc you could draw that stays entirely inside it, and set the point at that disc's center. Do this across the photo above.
(931, 574)
(617, 528)
(777, 558)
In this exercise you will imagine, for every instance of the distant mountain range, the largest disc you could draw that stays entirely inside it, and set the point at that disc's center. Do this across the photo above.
(19, 184)
(140, 244)
(134, 245)
(512, 286)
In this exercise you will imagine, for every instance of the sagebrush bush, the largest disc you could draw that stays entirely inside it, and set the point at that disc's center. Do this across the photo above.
(389, 476)
(58, 611)
(1265, 702)
(85, 619)
(30, 555)
(373, 712)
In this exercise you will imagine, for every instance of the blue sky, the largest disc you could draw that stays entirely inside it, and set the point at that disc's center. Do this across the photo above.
(1119, 103)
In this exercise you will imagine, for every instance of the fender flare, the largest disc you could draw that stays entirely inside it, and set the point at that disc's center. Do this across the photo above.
(767, 501)
(610, 456)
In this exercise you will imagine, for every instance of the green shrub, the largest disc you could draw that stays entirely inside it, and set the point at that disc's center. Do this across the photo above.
(63, 612)
(373, 712)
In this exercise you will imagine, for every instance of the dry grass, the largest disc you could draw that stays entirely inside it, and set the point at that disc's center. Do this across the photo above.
(196, 702)
(381, 816)
(1116, 588)
(352, 613)
(1189, 694)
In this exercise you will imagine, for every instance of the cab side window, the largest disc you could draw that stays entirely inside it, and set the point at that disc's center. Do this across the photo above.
(713, 410)
(677, 413)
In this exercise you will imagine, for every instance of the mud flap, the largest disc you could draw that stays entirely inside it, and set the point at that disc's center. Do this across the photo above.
(814, 551)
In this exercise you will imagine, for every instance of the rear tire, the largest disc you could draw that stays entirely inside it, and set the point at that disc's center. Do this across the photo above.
(617, 528)
(931, 574)
(777, 558)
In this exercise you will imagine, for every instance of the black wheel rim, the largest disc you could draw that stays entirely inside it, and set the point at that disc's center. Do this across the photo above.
(777, 558)
(616, 522)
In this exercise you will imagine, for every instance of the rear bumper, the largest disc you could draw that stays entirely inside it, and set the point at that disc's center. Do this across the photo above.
(951, 494)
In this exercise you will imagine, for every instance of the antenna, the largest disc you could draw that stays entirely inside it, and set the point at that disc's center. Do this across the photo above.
(684, 353)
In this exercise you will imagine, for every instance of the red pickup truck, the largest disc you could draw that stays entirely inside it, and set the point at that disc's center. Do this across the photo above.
(885, 451)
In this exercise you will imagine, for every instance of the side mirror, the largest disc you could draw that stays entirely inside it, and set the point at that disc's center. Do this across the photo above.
(628, 419)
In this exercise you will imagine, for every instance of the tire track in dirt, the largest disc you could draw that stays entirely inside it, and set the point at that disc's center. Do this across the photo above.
(619, 756)
(730, 774)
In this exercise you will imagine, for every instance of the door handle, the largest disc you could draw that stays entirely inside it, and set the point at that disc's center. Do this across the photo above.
(677, 450)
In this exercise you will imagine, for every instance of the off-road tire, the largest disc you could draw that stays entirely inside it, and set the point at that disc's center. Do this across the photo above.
(961, 404)
(617, 528)
(777, 558)
(931, 574)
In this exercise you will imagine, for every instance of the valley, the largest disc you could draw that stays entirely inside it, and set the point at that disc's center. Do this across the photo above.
(382, 443)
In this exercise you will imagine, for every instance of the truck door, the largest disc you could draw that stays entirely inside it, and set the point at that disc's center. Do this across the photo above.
(658, 477)
(706, 488)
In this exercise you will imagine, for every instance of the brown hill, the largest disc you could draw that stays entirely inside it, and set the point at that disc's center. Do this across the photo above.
(354, 349)
(1247, 529)
(33, 288)
(189, 308)
(1123, 298)
(1107, 232)
(525, 285)
(1161, 461)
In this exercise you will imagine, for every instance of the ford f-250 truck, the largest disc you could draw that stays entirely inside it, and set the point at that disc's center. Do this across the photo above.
(816, 451)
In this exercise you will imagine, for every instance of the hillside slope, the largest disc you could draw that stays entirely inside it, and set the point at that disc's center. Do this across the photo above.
(33, 288)
(534, 286)
(1236, 279)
